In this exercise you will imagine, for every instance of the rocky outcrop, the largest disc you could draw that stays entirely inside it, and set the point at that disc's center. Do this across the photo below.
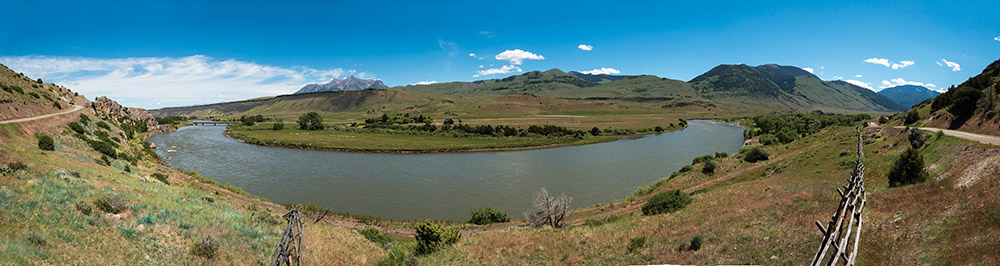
(349, 83)
(111, 110)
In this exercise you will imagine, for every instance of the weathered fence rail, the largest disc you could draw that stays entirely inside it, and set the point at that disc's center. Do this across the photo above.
(289, 249)
(842, 234)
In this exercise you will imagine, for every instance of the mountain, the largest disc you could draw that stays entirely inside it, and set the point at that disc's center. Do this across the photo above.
(21, 96)
(573, 85)
(786, 86)
(970, 106)
(349, 83)
(908, 95)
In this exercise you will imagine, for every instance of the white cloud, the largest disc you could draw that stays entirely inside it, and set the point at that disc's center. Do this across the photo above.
(878, 61)
(472, 54)
(902, 64)
(857, 76)
(517, 56)
(859, 83)
(900, 81)
(585, 47)
(954, 66)
(426, 82)
(808, 69)
(838, 77)
(480, 66)
(997, 38)
(153, 82)
(602, 71)
(502, 70)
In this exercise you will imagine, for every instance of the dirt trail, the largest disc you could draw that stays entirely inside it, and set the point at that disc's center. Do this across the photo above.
(75, 108)
(985, 139)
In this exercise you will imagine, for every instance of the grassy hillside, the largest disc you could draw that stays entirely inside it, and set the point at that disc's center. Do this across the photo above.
(972, 105)
(22, 97)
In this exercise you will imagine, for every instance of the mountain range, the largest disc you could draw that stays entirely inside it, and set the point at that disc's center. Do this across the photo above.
(908, 95)
(349, 83)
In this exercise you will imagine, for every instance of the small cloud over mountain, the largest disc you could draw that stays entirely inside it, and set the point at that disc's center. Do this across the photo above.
(501, 70)
(602, 71)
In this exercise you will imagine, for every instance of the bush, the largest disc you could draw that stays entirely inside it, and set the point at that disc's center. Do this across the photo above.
(709, 168)
(17, 166)
(754, 154)
(76, 127)
(721, 154)
(488, 215)
(907, 169)
(702, 159)
(768, 139)
(911, 117)
(84, 119)
(206, 248)
(111, 204)
(939, 134)
(917, 138)
(602, 221)
(695, 243)
(595, 131)
(83, 207)
(686, 168)
(46, 143)
(666, 202)
(432, 237)
(636, 243)
(658, 129)
(787, 136)
(278, 126)
(161, 177)
(547, 210)
(103, 125)
(35, 238)
(378, 237)
(310, 121)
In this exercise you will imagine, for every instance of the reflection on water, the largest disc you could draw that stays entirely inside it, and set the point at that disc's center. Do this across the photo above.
(442, 186)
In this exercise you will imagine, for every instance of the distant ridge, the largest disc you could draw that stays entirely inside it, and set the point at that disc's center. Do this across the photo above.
(349, 83)
(908, 95)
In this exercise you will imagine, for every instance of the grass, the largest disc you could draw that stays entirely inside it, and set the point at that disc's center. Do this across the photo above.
(381, 142)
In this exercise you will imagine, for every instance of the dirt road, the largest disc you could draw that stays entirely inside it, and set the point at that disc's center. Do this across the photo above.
(986, 139)
(75, 108)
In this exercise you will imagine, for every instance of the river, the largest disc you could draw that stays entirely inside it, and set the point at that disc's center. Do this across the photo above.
(443, 185)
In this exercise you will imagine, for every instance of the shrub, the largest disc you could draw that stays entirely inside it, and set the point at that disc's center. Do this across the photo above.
(721, 154)
(111, 204)
(161, 177)
(83, 207)
(787, 135)
(917, 138)
(695, 243)
(17, 166)
(595, 131)
(35, 238)
(488, 215)
(939, 134)
(636, 243)
(602, 221)
(911, 117)
(686, 169)
(46, 143)
(127, 169)
(76, 127)
(768, 139)
(375, 236)
(84, 119)
(310, 121)
(658, 129)
(666, 202)
(548, 210)
(709, 168)
(278, 126)
(432, 237)
(702, 159)
(103, 125)
(754, 154)
(907, 169)
(206, 248)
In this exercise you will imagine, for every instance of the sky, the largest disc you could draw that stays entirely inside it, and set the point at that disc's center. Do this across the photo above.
(154, 54)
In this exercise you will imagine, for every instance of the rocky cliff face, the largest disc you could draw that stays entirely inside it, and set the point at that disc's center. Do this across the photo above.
(110, 109)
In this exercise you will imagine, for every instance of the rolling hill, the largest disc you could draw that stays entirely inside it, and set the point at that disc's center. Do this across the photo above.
(972, 105)
(908, 95)
(22, 97)
(786, 86)
(573, 85)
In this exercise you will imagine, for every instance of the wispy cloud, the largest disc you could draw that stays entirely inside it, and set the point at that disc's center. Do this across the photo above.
(152, 82)
(501, 70)
(585, 47)
(900, 81)
(517, 56)
(857, 76)
(602, 71)
(488, 34)
(997, 38)
(426, 82)
(885, 62)
(954, 66)
(808, 69)
(859, 83)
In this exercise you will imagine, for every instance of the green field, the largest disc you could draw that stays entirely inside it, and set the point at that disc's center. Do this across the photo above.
(386, 142)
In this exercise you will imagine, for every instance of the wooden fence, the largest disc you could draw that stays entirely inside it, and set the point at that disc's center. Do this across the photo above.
(842, 234)
(289, 249)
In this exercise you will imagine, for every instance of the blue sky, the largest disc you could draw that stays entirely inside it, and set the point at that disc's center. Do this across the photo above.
(166, 53)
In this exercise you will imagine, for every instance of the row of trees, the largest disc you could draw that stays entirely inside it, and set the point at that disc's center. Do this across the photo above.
(785, 128)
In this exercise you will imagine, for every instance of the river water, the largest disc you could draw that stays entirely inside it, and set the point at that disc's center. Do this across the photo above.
(443, 185)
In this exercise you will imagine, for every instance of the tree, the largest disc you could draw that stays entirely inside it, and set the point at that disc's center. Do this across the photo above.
(908, 169)
(917, 138)
(709, 167)
(964, 101)
(595, 131)
(46, 143)
(911, 117)
(310, 121)
(547, 210)
(278, 126)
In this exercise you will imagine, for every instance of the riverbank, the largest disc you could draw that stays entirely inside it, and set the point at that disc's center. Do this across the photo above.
(381, 141)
